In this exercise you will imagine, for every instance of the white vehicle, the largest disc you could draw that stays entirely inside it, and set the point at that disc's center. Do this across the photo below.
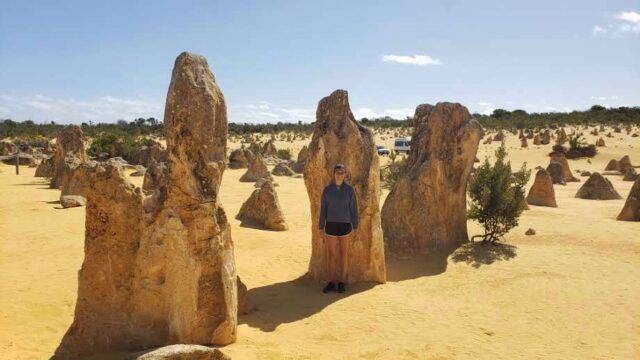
(402, 145)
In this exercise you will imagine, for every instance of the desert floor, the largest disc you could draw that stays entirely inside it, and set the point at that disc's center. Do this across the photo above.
(570, 292)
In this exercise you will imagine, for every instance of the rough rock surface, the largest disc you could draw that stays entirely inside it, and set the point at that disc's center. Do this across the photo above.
(155, 177)
(631, 209)
(264, 208)
(555, 171)
(257, 170)
(68, 201)
(630, 174)
(536, 140)
(282, 170)
(238, 159)
(546, 138)
(245, 305)
(139, 171)
(180, 352)
(7, 148)
(269, 149)
(613, 165)
(625, 163)
(338, 138)
(541, 192)
(566, 171)
(597, 187)
(69, 145)
(298, 166)
(600, 142)
(562, 137)
(523, 142)
(530, 232)
(426, 208)
(145, 155)
(164, 273)
(79, 178)
(258, 184)
(45, 169)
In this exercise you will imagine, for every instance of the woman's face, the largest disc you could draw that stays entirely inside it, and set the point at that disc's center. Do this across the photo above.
(339, 175)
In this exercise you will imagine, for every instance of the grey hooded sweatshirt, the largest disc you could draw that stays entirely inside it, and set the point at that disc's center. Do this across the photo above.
(338, 204)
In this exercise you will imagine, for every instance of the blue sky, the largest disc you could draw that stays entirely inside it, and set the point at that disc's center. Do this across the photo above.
(74, 61)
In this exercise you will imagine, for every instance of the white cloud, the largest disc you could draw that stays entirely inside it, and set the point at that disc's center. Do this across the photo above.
(626, 22)
(629, 16)
(102, 109)
(420, 60)
(597, 30)
(600, 98)
(365, 113)
(488, 111)
(487, 108)
(369, 113)
(265, 112)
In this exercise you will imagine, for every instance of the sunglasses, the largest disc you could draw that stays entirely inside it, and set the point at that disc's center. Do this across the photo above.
(340, 172)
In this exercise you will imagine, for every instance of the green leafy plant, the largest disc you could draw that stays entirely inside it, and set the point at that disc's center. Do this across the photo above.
(284, 154)
(497, 196)
(578, 148)
(116, 145)
(392, 172)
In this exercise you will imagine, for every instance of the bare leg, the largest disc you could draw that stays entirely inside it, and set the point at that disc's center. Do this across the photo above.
(344, 256)
(332, 249)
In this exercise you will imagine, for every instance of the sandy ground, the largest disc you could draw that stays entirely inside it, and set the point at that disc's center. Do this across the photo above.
(570, 292)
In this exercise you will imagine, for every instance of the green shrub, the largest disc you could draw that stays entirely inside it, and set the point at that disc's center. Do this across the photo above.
(121, 145)
(497, 196)
(285, 154)
(393, 171)
(578, 148)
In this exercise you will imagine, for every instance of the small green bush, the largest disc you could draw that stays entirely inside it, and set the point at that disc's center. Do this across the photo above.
(497, 196)
(285, 154)
(121, 145)
(393, 171)
(578, 148)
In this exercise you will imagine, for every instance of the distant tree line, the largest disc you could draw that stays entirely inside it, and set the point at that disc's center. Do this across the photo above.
(597, 114)
(500, 118)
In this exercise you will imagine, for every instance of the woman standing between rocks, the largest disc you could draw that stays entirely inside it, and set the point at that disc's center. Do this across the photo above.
(338, 223)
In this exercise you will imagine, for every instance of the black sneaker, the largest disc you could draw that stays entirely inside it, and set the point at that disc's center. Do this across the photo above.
(331, 286)
(341, 287)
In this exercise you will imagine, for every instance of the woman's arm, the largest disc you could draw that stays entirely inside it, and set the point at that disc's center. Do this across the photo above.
(353, 208)
(323, 209)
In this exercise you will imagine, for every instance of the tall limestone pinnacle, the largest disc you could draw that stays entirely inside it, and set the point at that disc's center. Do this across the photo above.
(338, 138)
(426, 208)
(161, 270)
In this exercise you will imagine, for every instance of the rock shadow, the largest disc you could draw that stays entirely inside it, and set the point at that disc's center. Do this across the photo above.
(292, 301)
(477, 254)
(252, 224)
(401, 268)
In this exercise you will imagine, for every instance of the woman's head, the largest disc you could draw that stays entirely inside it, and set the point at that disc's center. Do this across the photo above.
(339, 173)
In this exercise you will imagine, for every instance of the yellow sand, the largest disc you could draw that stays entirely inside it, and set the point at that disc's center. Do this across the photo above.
(570, 292)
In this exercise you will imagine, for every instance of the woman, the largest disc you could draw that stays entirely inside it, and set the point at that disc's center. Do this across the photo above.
(338, 220)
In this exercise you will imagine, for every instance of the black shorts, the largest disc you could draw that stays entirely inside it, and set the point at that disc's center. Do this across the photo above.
(337, 228)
